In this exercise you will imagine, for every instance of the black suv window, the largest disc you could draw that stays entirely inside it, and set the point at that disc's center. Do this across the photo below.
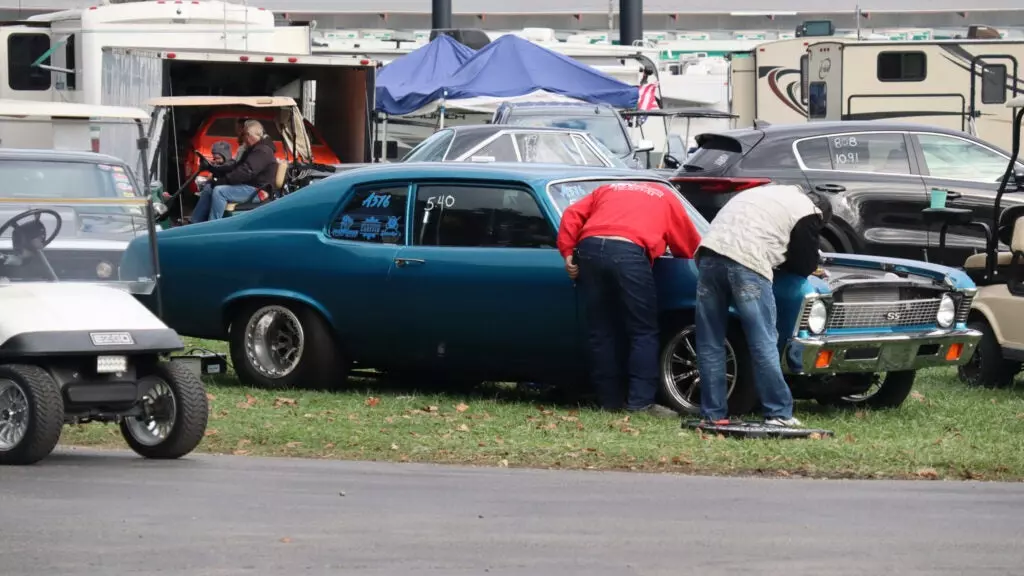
(480, 216)
(884, 153)
(716, 153)
(372, 215)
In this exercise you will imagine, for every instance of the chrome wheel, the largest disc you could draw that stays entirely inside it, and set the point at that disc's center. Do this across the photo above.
(274, 341)
(877, 379)
(679, 374)
(14, 415)
(160, 410)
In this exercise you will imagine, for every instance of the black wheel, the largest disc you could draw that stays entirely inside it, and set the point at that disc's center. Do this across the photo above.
(31, 414)
(880, 391)
(175, 414)
(825, 245)
(680, 380)
(987, 368)
(282, 344)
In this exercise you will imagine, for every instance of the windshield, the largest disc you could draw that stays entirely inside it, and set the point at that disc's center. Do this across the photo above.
(61, 179)
(607, 129)
(563, 194)
(538, 147)
(74, 240)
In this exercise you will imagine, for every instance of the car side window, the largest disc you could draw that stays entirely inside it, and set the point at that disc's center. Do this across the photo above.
(815, 154)
(884, 153)
(589, 156)
(772, 156)
(480, 216)
(432, 149)
(374, 215)
(957, 159)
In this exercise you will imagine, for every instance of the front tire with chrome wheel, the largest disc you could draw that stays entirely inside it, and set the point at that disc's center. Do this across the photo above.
(31, 414)
(680, 379)
(174, 416)
(282, 344)
(880, 391)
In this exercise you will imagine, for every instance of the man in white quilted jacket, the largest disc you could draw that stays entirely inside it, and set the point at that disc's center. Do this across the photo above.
(758, 230)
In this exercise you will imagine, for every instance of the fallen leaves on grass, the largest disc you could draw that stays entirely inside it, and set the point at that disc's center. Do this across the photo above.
(927, 474)
(210, 432)
(394, 446)
(293, 445)
(503, 463)
(372, 401)
(463, 428)
(210, 396)
(249, 402)
(461, 407)
(241, 452)
(430, 408)
(917, 396)
(278, 402)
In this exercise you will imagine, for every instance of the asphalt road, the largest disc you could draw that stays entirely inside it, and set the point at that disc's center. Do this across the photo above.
(114, 514)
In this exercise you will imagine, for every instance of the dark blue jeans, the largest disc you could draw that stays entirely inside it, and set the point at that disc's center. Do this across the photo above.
(616, 283)
(722, 282)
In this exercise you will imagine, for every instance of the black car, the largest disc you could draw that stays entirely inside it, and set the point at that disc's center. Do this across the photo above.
(878, 175)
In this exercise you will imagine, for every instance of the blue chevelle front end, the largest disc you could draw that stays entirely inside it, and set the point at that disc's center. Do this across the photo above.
(367, 268)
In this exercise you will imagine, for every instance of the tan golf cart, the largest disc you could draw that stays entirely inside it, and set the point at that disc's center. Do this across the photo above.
(997, 310)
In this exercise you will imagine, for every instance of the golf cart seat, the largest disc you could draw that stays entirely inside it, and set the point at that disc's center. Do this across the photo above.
(1010, 233)
(276, 187)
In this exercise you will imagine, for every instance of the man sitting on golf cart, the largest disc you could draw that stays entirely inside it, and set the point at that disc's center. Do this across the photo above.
(246, 180)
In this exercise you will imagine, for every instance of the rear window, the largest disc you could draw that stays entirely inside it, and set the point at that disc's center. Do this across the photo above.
(226, 128)
(564, 194)
(714, 154)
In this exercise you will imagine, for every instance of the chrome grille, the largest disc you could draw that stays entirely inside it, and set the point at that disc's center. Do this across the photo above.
(883, 314)
(805, 315)
(870, 294)
(964, 308)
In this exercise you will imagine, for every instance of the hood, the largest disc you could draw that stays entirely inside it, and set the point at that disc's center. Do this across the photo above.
(846, 268)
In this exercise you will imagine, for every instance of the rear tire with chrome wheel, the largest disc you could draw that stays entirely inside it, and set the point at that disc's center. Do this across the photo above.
(175, 414)
(31, 414)
(680, 380)
(280, 344)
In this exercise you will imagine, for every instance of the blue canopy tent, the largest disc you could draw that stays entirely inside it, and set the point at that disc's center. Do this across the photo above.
(512, 68)
(403, 84)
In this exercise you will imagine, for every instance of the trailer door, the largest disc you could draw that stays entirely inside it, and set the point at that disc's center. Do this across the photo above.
(825, 81)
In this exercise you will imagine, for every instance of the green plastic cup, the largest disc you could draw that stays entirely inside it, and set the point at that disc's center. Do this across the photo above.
(938, 198)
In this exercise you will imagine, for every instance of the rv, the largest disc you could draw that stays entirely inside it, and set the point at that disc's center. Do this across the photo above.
(958, 84)
(58, 56)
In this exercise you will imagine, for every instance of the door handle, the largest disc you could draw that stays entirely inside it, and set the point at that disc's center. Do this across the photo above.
(402, 262)
(951, 195)
(830, 188)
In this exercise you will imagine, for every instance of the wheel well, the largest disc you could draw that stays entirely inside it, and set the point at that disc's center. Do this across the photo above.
(833, 238)
(976, 315)
(234, 306)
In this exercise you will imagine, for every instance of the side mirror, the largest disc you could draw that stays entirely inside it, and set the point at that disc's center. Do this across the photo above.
(644, 146)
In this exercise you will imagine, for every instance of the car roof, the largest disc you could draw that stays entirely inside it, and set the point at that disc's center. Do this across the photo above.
(776, 131)
(493, 128)
(535, 174)
(560, 105)
(58, 156)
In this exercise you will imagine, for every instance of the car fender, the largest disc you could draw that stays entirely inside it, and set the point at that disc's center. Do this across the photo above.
(273, 293)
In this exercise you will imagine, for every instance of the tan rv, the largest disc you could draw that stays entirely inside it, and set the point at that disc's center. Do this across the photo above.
(766, 83)
(957, 84)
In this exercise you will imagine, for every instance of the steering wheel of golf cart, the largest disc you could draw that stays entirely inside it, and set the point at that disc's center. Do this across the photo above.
(31, 237)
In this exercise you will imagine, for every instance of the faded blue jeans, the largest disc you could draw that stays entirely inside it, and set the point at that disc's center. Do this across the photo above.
(212, 203)
(722, 282)
(616, 285)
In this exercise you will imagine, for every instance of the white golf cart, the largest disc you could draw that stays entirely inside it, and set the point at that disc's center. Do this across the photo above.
(76, 346)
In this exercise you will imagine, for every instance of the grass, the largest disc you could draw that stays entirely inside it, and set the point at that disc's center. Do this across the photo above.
(943, 431)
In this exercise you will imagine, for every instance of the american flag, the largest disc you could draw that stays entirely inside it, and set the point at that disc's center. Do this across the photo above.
(647, 100)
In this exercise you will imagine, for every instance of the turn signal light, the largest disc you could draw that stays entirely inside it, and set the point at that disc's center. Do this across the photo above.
(954, 352)
(824, 359)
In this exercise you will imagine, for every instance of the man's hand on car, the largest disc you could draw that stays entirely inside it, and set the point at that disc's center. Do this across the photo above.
(572, 269)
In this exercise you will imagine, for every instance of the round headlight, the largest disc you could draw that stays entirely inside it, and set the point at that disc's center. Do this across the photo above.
(104, 270)
(818, 316)
(947, 311)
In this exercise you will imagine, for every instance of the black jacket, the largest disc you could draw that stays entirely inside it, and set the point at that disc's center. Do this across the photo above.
(804, 239)
(257, 167)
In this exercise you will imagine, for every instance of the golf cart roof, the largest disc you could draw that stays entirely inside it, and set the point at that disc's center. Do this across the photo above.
(253, 101)
(1017, 102)
(694, 112)
(23, 108)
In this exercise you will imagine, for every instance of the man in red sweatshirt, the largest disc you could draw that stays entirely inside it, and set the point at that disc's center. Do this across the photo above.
(617, 231)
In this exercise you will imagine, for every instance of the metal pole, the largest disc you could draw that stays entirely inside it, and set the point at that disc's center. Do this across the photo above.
(441, 14)
(611, 19)
(631, 21)
(858, 21)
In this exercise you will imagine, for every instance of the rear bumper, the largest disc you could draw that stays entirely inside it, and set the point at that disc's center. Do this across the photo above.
(883, 353)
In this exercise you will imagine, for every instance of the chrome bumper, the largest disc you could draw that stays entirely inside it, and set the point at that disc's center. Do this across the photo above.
(883, 353)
